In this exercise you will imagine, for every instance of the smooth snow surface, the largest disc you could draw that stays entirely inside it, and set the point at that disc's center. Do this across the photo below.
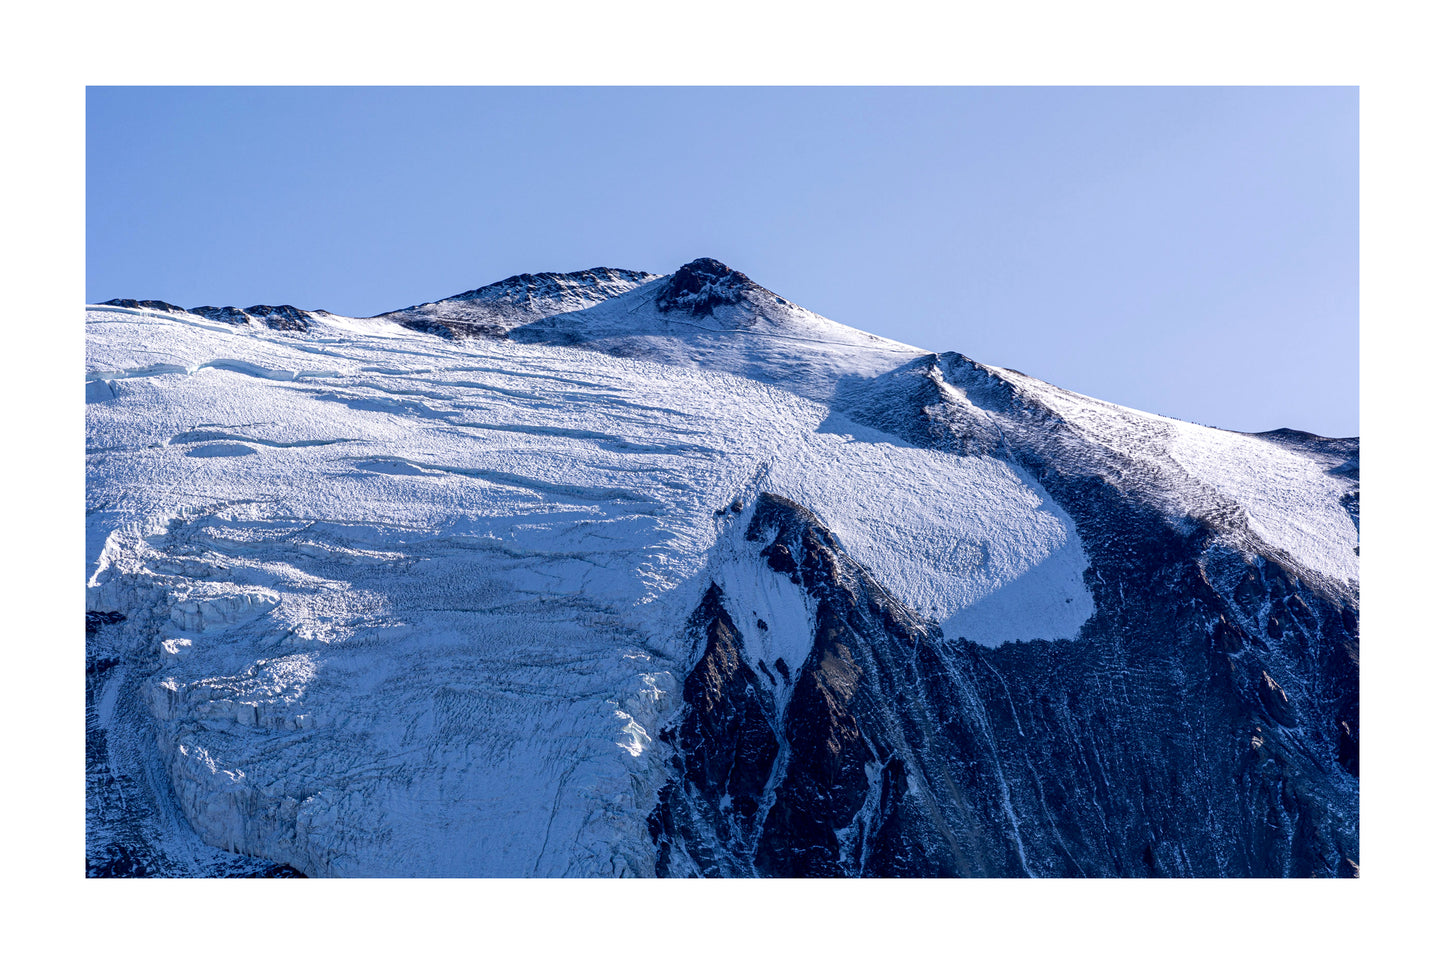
(946, 534)
(399, 604)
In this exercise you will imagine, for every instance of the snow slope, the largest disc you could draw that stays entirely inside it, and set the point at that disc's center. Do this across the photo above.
(1279, 500)
(406, 604)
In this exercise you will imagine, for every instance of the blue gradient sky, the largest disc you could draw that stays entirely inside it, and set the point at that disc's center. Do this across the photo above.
(1187, 251)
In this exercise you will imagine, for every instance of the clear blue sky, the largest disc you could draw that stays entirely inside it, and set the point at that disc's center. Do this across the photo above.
(1187, 251)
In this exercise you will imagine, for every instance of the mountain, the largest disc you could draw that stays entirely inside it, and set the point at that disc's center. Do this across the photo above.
(616, 574)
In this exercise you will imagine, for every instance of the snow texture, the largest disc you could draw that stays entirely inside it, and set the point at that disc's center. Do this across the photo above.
(402, 604)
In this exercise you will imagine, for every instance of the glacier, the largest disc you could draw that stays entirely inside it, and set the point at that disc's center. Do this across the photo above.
(554, 578)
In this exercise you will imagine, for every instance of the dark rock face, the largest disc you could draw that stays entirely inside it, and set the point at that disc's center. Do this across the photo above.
(1348, 751)
(1177, 736)
(702, 286)
(228, 314)
(95, 619)
(1273, 697)
(453, 330)
(278, 317)
(278, 870)
(729, 744)
(118, 861)
(152, 305)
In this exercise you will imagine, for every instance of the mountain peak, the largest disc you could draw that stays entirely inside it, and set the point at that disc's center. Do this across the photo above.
(787, 579)
(711, 267)
(702, 285)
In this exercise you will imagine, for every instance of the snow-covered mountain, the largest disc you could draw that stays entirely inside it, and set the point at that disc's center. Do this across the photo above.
(610, 573)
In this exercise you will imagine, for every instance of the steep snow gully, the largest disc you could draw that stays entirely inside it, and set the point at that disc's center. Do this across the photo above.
(611, 573)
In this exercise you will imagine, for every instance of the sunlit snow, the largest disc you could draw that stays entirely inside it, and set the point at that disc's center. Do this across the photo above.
(410, 605)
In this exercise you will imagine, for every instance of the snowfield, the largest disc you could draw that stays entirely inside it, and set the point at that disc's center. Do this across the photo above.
(398, 604)
(1286, 501)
